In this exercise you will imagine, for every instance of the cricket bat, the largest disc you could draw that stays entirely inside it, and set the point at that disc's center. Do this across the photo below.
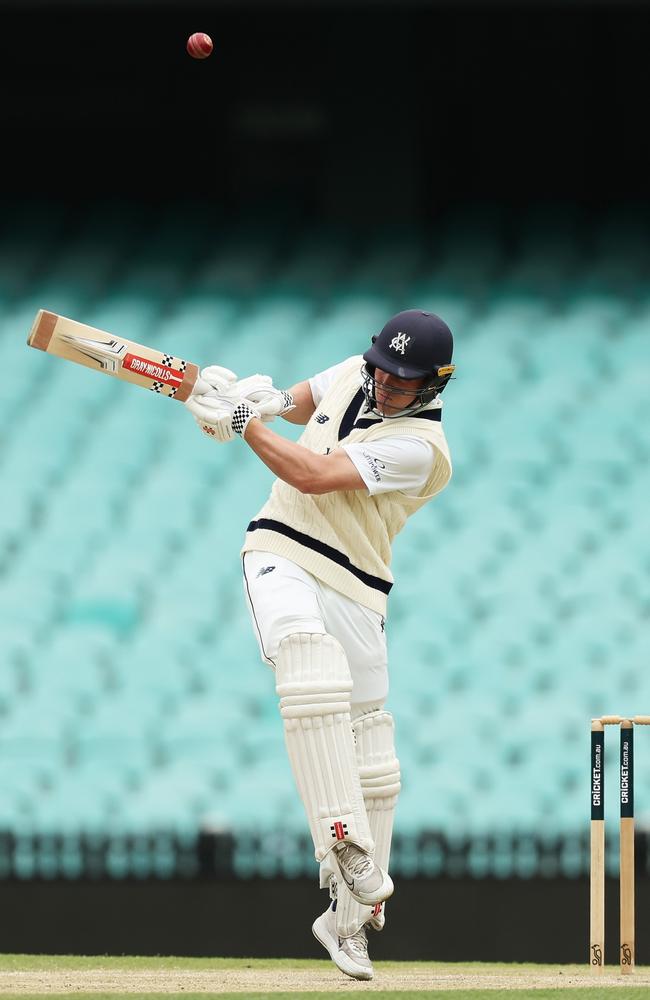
(117, 356)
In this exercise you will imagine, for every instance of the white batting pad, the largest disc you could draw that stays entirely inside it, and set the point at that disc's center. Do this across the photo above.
(380, 783)
(314, 683)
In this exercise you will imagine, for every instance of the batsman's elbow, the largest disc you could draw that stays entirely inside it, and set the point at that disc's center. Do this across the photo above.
(332, 473)
(310, 485)
(329, 482)
(316, 489)
(312, 476)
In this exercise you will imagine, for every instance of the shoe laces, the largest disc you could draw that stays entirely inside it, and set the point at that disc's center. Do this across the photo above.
(355, 861)
(359, 943)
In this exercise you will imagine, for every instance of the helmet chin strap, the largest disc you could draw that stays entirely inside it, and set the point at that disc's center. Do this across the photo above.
(368, 375)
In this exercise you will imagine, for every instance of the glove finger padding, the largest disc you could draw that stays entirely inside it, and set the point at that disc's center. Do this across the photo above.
(217, 377)
(209, 409)
(247, 387)
(271, 402)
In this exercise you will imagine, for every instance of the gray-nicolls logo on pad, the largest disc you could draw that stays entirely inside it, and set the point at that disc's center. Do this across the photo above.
(399, 342)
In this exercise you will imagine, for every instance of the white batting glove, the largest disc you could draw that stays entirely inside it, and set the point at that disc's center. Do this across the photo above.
(213, 414)
(257, 389)
(222, 405)
(271, 402)
(252, 384)
(214, 378)
(210, 403)
(222, 416)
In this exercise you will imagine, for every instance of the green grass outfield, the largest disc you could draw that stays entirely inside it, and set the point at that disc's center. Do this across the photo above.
(97, 977)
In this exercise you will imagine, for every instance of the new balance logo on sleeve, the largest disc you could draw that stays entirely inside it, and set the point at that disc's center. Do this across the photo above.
(264, 570)
(321, 418)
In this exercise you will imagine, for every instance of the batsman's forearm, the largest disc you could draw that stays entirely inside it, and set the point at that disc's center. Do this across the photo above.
(296, 465)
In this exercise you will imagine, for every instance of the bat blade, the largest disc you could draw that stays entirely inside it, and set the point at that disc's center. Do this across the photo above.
(125, 359)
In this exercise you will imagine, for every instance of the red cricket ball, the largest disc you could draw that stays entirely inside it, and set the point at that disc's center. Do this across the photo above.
(199, 45)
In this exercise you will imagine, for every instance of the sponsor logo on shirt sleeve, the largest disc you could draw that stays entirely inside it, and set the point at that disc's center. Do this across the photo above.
(374, 465)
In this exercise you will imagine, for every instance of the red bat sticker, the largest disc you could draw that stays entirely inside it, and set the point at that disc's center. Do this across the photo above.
(149, 369)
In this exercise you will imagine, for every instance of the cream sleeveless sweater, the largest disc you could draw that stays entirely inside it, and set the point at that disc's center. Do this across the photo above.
(344, 538)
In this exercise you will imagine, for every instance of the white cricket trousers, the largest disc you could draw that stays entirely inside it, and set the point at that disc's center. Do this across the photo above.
(283, 599)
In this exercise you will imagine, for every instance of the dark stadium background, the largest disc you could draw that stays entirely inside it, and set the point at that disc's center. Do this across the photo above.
(363, 114)
(365, 110)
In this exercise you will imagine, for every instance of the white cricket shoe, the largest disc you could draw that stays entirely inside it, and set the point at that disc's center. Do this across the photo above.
(367, 882)
(350, 954)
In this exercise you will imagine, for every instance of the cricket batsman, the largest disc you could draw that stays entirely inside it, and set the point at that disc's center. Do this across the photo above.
(316, 567)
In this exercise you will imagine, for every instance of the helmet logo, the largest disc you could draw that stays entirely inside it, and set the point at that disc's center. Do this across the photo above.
(399, 342)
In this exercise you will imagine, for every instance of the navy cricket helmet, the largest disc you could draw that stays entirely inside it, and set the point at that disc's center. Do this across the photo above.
(413, 344)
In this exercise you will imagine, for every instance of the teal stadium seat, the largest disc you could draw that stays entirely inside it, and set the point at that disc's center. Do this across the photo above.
(132, 697)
